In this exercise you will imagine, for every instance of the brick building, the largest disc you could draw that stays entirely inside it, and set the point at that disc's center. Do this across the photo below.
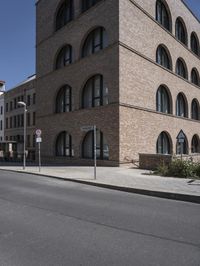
(14, 118)
(130, 67)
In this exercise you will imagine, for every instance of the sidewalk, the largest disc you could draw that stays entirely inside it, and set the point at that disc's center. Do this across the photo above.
(130, 180)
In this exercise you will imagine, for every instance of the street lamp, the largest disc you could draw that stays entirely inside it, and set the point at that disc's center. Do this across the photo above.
(25, 110)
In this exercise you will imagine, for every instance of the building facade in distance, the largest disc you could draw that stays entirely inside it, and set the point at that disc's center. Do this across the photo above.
(2, 90)
(130, 67)
(14, 118)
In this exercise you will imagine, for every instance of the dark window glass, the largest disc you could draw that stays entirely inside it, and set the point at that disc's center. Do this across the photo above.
(88, 146)
(194, 44)
(181, 69)
(96, 41)
(162, 15)
(64, 57)
(162, 100)
(64, 14)
(6, 107)
(195, 148)
(11, 106)
(95, 93)
(86, 4)
(28, 119)
(163, 144)
(11, 124)
(181, 34)
(28, 141)
(1, 125)
(28, 100)
(34, 140)
(181, 109)
(15, 103)
(195, 77)
(64, 145)
(33, 118)
(64, 100)
(1, 110)
(195, 110)
(162, 57)
(6, 123)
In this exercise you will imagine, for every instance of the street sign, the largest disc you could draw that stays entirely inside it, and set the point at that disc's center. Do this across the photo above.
(38, 140)
(181, 137)
(38, 132)
(87, 128)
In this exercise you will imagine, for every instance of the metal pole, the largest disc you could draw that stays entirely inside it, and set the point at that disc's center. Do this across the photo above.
(181, 151)
(95, 153)
(39, 156)
(24, 161)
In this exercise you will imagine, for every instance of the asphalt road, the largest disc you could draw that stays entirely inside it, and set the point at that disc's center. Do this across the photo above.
(45, 221)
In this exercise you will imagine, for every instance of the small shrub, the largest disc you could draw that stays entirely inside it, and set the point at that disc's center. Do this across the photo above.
(178, 168)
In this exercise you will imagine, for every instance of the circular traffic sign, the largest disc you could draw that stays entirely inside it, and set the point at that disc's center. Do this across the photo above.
(38, 132)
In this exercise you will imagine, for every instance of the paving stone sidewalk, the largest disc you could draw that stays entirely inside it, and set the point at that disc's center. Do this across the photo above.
(124, 178)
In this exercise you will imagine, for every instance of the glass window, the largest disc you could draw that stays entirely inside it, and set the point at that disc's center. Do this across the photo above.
(195, 77)
(64, 100)
(162, 15)
(95, 92)
(194, 43)
(195, 144)
(181, 69)
(64, 57)
(181, 33)
(163, 144)
(181, 108)
(162, 57)
(64, 14)
(195, 110)
(86, 4)
(96, 41)
(102, 148)
(163, 100)
(64, 145)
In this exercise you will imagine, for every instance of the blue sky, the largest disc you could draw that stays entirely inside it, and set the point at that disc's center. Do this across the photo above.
(17, 42)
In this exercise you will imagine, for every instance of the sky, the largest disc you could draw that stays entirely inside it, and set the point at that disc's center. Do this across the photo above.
(17, 41)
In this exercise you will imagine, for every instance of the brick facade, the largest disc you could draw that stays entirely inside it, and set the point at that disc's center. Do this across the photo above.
(128, 65)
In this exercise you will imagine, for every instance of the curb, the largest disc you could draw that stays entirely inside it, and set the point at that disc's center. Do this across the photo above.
(152, 193)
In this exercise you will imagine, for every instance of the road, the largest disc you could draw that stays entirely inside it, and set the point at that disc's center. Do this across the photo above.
(45, 221)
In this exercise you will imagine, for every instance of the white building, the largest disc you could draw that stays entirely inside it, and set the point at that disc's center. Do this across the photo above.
(2, 90)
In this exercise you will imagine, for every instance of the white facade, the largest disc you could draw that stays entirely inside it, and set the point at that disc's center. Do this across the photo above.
(2, 90)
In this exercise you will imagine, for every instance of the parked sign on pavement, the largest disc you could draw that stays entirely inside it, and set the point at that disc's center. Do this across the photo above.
(38, 132)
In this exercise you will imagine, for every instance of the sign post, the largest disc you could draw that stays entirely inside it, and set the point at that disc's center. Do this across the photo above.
(39, 140)
(86, 129)
(181, 140)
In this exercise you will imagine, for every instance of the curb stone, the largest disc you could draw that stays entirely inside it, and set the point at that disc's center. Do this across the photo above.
(152, 193)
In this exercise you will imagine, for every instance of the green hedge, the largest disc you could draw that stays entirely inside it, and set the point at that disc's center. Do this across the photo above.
(178, 168)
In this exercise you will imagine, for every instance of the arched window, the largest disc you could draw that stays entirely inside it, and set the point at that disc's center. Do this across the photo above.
(95, 92)
(194, 43)
(195, 77)
(182, 147)
(162, 15)
(64, 100)
(86, 4)
(181, 106)
(64, 57)
(64, 14)
(181, 68)
(163, 57)
(95, 41)
(163, 103)
(181, 33)
(163, 144)
(102, 146)
(64, 145)
(195, 110)
(195, 147)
